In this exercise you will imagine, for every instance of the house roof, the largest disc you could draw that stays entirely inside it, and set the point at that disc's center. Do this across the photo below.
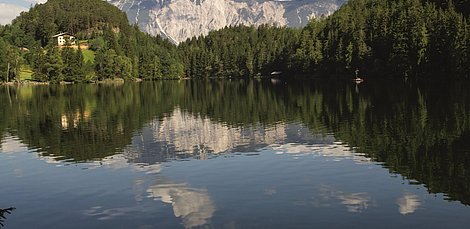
(63, 34)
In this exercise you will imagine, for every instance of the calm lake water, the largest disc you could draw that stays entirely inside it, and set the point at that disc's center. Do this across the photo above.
(236, 154)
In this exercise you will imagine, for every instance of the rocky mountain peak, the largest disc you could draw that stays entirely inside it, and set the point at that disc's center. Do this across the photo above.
(181, 19)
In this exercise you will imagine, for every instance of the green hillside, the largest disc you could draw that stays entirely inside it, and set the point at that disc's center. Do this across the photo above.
(117, 49)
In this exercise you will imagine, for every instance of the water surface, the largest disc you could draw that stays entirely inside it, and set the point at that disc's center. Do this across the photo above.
(236, 154)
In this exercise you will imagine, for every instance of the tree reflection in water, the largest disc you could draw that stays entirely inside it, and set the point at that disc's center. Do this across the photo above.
(420, 131)
(2, 214)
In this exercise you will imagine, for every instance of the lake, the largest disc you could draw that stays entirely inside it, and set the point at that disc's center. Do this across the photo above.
(264, 153)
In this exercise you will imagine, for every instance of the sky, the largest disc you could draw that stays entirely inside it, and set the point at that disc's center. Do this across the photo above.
(10, 9)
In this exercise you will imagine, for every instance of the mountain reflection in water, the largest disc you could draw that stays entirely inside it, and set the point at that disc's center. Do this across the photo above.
(286, 149)
(181, 135)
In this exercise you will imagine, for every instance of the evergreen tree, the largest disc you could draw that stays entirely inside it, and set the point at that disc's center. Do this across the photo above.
(109, 65)
(53, 65)
(123, 67)
(10, 62)
(69, 61)
(39, 65)
(79, 68)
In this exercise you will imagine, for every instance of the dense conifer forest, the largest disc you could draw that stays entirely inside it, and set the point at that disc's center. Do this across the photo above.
(381, 38)
(400, 38)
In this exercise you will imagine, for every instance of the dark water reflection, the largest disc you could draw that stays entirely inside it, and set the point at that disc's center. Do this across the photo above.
(283, 154)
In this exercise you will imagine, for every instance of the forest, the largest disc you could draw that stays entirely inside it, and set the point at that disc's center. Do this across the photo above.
(114, 48)
(381, 38)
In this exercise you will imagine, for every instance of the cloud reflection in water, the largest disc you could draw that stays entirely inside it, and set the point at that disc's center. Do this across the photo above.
(354, 202)
(408, 203)
(194, 206)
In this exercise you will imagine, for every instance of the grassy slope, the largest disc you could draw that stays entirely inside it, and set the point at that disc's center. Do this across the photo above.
(26, 73)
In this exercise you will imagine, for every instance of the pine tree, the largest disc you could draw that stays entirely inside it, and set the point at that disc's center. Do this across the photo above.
(53, 66)
(68, 59)
(39, 65)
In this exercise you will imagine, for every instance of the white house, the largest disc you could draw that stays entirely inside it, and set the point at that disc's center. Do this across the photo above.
(62, 38)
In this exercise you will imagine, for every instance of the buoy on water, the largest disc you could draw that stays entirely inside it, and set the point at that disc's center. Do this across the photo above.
(358, 79)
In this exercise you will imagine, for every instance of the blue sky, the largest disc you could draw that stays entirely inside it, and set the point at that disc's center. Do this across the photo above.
(9, 9)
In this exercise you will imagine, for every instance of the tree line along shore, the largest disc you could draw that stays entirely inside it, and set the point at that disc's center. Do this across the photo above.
(92, 41)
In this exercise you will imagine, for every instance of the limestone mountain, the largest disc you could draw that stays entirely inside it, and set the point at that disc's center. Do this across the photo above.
(181, 19)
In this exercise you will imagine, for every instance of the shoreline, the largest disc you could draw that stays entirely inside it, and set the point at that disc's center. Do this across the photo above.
(28, 82)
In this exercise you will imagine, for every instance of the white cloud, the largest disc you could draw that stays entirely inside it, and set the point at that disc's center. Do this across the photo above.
(10, 9)
(8, 12)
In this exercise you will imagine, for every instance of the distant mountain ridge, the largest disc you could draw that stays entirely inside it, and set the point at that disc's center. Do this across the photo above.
(178, 20)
